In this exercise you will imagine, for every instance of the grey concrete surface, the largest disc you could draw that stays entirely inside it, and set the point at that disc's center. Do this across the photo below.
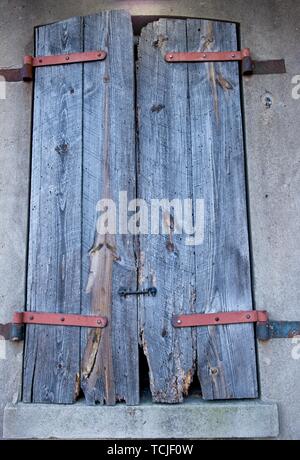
(271, 28)
(203, 419)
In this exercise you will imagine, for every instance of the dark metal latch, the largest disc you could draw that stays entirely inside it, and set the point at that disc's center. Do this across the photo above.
(151, 291)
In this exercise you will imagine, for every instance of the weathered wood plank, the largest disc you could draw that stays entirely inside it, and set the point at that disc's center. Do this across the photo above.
(110, 356)
(225, 355)
(166, 262)
(51, 365)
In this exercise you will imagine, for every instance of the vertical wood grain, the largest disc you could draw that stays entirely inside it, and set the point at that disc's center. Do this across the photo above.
(190, 127)
(83, 150)
(110, 355)
(225, 355)
(51, 363)
(164, 171)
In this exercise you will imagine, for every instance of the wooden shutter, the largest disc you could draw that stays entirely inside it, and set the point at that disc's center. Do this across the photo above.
(191, 144)
(83, 150)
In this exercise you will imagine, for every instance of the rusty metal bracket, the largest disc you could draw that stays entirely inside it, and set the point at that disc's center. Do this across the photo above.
(277, 330)
(248, 66)
(11, 331)
(273, 66)
(26, 72)
(265, 329)
(15, 330)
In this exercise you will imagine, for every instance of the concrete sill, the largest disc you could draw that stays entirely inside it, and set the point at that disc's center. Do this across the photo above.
(192, 420)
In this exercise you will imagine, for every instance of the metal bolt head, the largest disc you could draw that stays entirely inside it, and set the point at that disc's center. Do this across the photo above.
(233, 55)
(248, 316)
(204, 56)
(31, 318)
(122, 292)
(67, 58)
(99, 322)
(179, 321)
(214, 370)
(62, 319)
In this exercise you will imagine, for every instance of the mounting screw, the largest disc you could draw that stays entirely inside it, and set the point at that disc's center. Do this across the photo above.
(40, 60)
(67, 58)
(171, 56)
(99, 321)
(204, 56)
(122, 292)
(233, 55)
(179, 321)
(217, 319)
(248, 316)
(62, 319)
(31, 318)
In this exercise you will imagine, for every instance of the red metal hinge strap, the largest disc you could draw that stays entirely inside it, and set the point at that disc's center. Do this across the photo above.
(30, 62)
(59, 319)
(248, 66)
(209, 56)
(70, 58)
(214, 56)
(221, 318)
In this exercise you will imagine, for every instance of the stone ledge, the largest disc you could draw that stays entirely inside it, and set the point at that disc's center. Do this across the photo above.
(191, 420)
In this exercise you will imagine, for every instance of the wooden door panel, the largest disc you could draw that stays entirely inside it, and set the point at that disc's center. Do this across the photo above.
(83, 151)
(165, 170)
(226, 363)
(51, 365)
(191, 144)
(108, 261)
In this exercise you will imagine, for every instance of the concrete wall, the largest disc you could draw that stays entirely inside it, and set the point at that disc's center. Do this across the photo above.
(271, 28)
